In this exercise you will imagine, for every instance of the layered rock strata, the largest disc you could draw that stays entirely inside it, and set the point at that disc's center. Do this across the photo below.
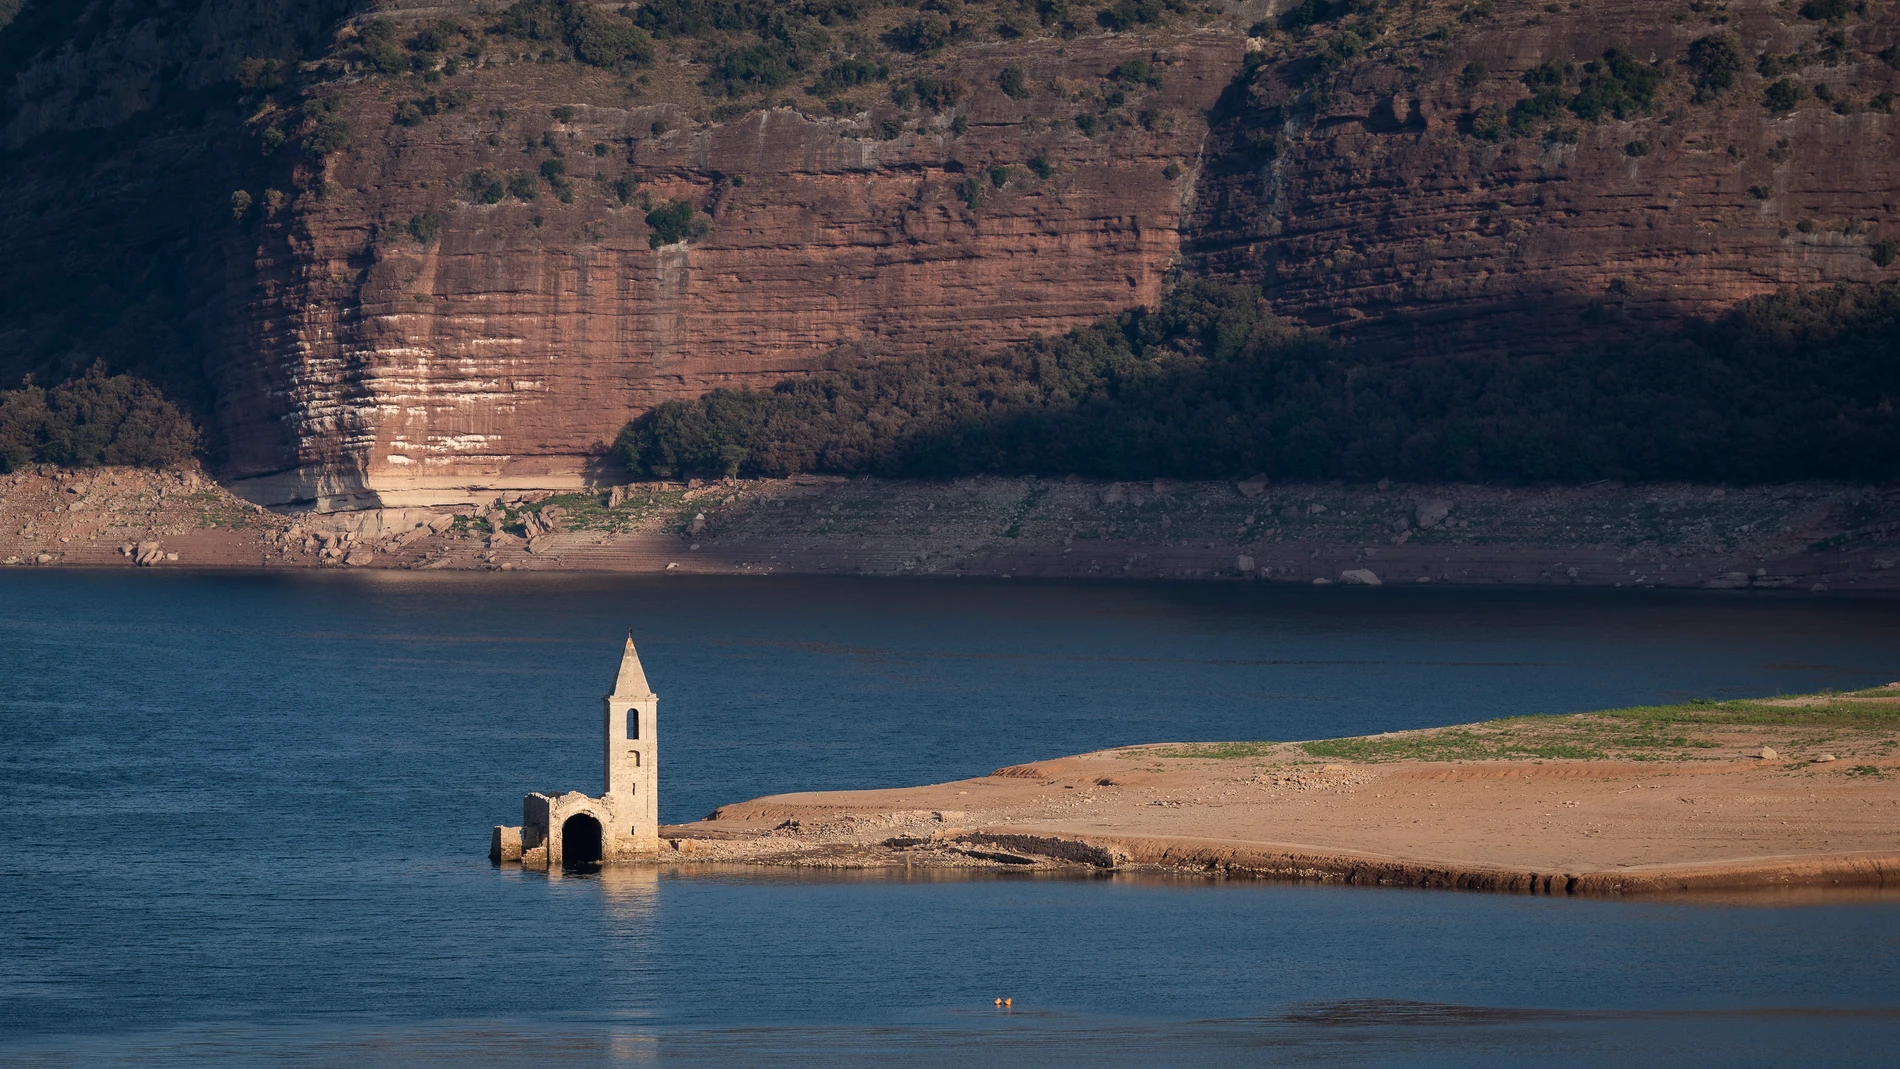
(382, 368)
(381, 327)
(1374, 199)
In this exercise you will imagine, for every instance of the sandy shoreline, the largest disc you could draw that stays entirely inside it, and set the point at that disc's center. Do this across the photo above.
(1805, 537)
(1699, 812)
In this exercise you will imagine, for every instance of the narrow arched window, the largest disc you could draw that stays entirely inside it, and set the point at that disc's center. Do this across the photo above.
(633, 723)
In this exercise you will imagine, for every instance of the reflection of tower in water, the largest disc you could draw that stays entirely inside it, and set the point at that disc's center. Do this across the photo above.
(631, 893)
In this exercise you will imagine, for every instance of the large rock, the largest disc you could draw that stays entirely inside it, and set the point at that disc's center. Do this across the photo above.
(1359, 577)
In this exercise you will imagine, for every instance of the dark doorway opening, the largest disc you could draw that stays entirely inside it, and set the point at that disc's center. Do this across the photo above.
(580, 842)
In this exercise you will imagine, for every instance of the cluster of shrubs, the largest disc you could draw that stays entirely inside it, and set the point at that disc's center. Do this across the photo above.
(675, 221)
(415, 112)
(1212, 385)
(744, 46)
(751, 46)
(489, 187)
(95, 419)
(1622, 86)
(597, 37)
(1616, 85)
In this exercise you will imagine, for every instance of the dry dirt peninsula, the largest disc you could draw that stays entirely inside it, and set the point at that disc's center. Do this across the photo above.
(1784, 794)
(1808, 537)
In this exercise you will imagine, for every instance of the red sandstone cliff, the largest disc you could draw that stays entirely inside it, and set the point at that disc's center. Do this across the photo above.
(1366, 199)
(374, 330)
(507, 351)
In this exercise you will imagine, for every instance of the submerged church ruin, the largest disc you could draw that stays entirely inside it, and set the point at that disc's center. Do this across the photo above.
(575, 830)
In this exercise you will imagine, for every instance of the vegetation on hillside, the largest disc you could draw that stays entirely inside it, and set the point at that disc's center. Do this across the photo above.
(1316, 49)
(92, 420)
(1640, 733)
(1805, 728)
(1211, 384)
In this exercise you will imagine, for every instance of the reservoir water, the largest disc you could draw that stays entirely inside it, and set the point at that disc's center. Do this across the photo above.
(247, 819)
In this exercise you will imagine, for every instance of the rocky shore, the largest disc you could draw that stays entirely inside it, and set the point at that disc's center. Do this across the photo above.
(1804, 536)
(1738, 797)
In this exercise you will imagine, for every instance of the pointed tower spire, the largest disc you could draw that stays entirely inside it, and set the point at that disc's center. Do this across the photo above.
(632, 680)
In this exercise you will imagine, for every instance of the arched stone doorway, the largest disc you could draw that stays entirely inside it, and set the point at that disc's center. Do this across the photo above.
(580, 842)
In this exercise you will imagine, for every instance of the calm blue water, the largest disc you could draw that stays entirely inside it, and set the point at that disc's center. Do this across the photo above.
(248, 816)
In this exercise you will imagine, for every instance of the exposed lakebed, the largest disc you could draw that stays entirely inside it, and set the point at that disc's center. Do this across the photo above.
(249, 815)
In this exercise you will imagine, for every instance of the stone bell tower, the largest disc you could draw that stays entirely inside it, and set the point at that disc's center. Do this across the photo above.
(632, 757)
(573, 830)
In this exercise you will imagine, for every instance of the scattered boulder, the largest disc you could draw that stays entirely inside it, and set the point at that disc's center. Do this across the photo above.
(1359, 577)
(1825, 758)
(1322, 581)
(1315, 509)
(146, 554)
(1768, 753)
(698, 525)
(359, 557)
(1252, 488)
(1244, 564)
(1432, 511)
(616, 497)
(44, 558)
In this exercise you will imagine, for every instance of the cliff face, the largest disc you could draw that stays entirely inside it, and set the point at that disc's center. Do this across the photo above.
(508, 348)
(1370, 197)
(448, 276)
(121, 140)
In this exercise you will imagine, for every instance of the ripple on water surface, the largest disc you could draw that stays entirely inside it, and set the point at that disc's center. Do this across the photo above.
(249, 816)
